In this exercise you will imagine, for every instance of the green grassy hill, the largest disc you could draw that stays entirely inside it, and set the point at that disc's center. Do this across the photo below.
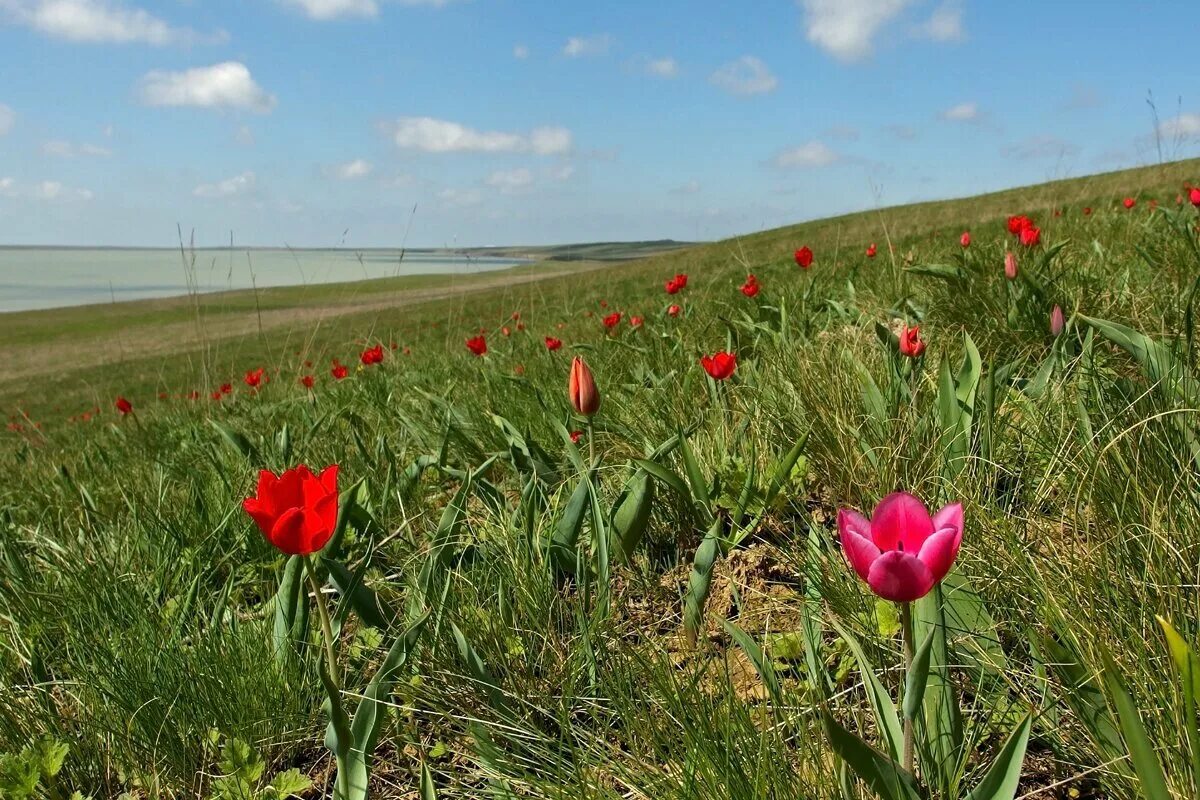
(662, 607)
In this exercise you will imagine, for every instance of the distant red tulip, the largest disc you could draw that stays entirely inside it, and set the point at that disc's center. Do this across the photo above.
(516, 315)
(672, 286)
(477, 345)
(581, 388)
(750, 288)
(393, 346)
(1194, 197)
(254, 378)
(965, 240)
(1010, 265)
(407, 351)
(308, 381)
(308, 363)
(1129, 202)
(520, 326)
(871, 250)
(612, 320)
(372, 355)
(1153, 204)
(1031, 236)
(1018, 223)
(576, 436)
(673, 310)
(1087, 211)
(911, 344)
(604, 304)
(1058, 212)
(681, 279)
(553, 344)
(635, 321)
(296, 511)
(505, 331)
(124, 406)
(804, 257)
(217, 396)
(193, 395)
(339, 371)
(226, 388)
(519, 370)
(720, 366)
(1056, 321)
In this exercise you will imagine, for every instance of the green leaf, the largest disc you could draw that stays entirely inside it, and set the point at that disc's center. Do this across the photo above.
(881, 703)
(1188, 667)
(48, 754)
(664, 475)
(236, 441)
(477, 670)
(885, 777)
(291, 609)
(1002, 778)
(355, 591)
(762, 665)
(239, 759)
(631, 514)
(700, 493)
(941, 725)
(700, 581)
(946, 272)
(428, 789)
(290, 783)
(1085, 700)
(565, 541)
(916, 678)
(1141, 751)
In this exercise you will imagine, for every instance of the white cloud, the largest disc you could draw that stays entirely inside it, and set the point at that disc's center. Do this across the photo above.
(334, 9)
(225, 85)
(808, 155)
(963, 112)
(510, 180)
(457, 198)
(100, 21)
(7, 185)
(350, 170)
(562, 172)
(578, 46)
(520, 52)
(442, 136)
(238, 184)
(846, 28)
(662, 67)
(945, 24)
(59, 148)
(748, 75)
(1182, 127)
(7, 119)
(52, 191)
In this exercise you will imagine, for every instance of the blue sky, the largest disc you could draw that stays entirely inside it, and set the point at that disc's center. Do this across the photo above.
(325, 122)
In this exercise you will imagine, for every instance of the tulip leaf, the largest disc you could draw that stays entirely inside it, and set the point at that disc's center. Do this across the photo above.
(565, 540)
(700, 581)
(762, 665)
(946, 272)
(941, 726)
(886, 719)
(664, 475)
(1156, 359)
(1085, 700)
(356, 593)
(291, 609)
(884, 775)
(700, 493)
(235, 440)
(1145, 761)
(1002, 778)
(477, 670)
(428, 789)
(1188, 666)
(916, 678)
(631, 514)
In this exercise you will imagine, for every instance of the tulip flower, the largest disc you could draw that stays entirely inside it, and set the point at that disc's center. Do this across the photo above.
(635, 321)
(901, 552)
(1018, 223)
(553, 344)
(1194, 197)
(339, 371)
(871, 250)
(226, 388)
(612, 320)
(750, 288)
(1031, 236)
(505, 331)
(673, 286)
(681, 279)
(516, 315)
(1087, 211)
(1129, 202)
(254, 378)
(477, 345)
(308, 381)
(581, 388)
(1056, 321)
(719, 366)
(296, 511)
(965, 240)
(124, 406)
(804, 257)
(373, 355)
(674, 310)
(1010, 265)
(576, 436)
(911, 344)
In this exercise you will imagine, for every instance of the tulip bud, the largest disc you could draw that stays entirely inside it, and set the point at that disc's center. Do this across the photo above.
(965, 240)
(911, 344)
(1056, 321)
(1194, 197)
(581, 388)
(1010, 266)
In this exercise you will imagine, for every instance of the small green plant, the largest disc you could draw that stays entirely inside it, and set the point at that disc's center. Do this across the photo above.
(32, 772)
(243, 776)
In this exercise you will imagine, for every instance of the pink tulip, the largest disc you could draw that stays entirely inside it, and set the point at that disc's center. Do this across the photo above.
(1056, 321)
(1010, 265)
(901, 552)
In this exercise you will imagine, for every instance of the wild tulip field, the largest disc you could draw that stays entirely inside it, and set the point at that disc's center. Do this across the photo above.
(901, 504)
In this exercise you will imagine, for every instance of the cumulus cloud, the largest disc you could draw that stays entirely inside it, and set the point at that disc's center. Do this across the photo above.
(945, 24)
(350, 170)
(807, 156)
(458, 198)
(100, 21)
(324, 10)
(846, 29)
(578, 46)
(50, 191)
(1185, 126)
(963, 112)
(746, 76)
(60, 148)
(520, 52)
(562, 172)
(662, 67)
(225, 85)
(238, 184)
(1040, 146)
(7, 119)
(510, 180)
(442, 136)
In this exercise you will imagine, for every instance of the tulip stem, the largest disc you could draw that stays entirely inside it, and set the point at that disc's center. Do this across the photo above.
(591, 436)
(906, 633)
(326, 625)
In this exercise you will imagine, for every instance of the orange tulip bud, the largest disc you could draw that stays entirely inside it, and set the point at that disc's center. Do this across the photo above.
(581, 388)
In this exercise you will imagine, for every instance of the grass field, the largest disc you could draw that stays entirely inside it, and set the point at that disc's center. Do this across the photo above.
(660, 608)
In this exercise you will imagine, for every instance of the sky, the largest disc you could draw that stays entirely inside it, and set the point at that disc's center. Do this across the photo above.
(382, 123)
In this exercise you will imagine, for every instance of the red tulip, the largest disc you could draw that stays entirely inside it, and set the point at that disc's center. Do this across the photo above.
(1129, 202)
(296, 511)
(1031, 236)
(581, 388)
(672, 286)
(1056, 321)
(681, 280)
(407, 351)
(965, 240)
(1194, 196)
(635, 321)
(217, 396)
(804, 257)
(373, 355)
(604, 304)
(505, 331)
(1087, 211)
(871, 250)
(477, 345)
(612, 320)
(901, 552)
(254, 378)
(911, 344)
(673, 311)
(553, 344)
(308, 381)
(519, 370)
(226, 388)
(339, 371)
(1018, 223)
(1010, 266)
(576, 436)
(193, 395)
(720, 366)
(516, 315)
(750, 288)
(124, 406)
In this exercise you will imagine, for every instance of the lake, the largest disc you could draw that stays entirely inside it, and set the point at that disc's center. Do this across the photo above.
(43, 277)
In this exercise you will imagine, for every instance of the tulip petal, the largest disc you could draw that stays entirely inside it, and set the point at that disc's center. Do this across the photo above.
(950, 516)
(288, 491)
(288, 533)
(940, 550)
(260, 513)
(900, 577)
(900, 520)
(860, 552)
(329, 478)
